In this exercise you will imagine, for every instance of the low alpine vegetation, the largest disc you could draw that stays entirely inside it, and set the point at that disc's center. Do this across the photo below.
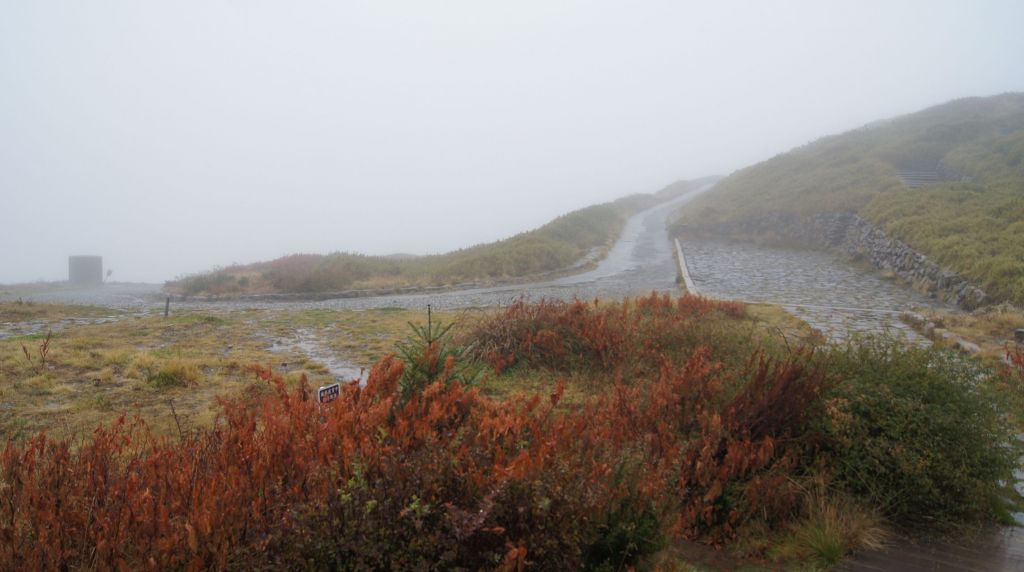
(418, 468)
(558, 245)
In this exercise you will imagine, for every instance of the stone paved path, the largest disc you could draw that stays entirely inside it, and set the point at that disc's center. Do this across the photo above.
(819, 288)
(995, 550)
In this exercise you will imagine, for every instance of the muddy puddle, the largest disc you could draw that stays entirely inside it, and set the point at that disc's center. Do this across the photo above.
(306, 342)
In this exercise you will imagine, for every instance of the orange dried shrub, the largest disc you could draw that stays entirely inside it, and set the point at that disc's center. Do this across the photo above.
(631, 337)
(499, 362)
(723, 457)
(446, 478)
(1015, 357)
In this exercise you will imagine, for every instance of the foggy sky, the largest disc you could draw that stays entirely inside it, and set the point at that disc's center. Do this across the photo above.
(170, 137)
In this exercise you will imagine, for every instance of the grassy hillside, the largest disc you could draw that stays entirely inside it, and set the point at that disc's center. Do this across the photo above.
(969, 221)
(554, 246)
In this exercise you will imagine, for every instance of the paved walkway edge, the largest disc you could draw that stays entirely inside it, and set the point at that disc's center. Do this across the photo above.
(684, 271)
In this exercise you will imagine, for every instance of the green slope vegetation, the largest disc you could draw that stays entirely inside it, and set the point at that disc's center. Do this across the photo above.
(971, 220)
(555, 246)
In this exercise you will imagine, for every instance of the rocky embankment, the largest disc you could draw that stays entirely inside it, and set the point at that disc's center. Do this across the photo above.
(853, 236)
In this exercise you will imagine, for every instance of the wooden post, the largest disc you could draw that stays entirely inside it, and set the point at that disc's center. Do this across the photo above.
(167, 306)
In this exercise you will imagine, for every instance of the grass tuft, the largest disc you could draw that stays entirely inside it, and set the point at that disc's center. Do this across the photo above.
(833, 525)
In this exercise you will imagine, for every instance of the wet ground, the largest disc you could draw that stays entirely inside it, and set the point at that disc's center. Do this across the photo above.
(121, 296)
(827, 292)
(11, 329)
(640, 262)
(306, 342)
(1002, 549)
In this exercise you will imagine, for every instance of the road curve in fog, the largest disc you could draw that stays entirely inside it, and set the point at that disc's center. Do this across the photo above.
(640, 261)
(823, 290)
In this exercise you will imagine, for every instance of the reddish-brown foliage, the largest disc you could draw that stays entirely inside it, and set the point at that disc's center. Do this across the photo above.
(631, 338)
(447, 478)
(1015, 356)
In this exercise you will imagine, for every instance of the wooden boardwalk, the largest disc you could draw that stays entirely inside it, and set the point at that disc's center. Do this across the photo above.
(995, 550)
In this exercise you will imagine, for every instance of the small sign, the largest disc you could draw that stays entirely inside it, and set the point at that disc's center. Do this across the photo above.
(328, 393)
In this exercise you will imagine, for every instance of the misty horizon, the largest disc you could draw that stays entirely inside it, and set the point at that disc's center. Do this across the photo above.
(172, 139)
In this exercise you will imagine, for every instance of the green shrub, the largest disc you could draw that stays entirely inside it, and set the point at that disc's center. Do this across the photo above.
(631, 528)
(917, 433)
(430, 356)
(630, 533)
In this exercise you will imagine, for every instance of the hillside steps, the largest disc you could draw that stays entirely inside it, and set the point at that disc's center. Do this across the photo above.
(920, 178)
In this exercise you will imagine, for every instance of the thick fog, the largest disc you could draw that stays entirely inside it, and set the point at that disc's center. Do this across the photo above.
(171, 137)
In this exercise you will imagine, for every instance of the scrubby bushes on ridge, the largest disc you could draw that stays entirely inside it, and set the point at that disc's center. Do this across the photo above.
(554, 246)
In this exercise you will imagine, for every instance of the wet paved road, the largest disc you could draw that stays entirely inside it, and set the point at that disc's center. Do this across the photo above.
(117, 295)
(829, 294)
(641, 261)
(997, 550)
(826, 292)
